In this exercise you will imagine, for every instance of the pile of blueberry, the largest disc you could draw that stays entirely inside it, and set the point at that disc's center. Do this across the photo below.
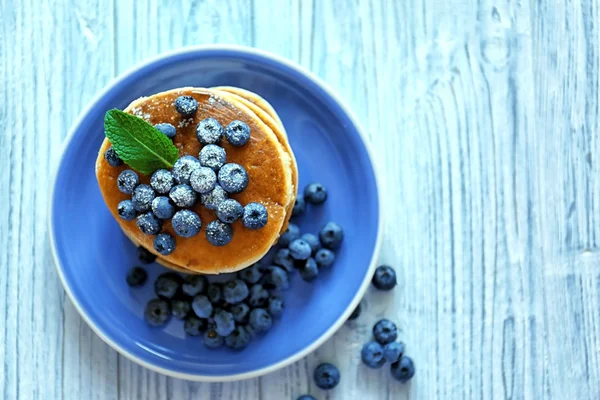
(208, 179)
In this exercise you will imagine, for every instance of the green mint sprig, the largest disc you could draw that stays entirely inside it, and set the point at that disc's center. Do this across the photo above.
(140, 145)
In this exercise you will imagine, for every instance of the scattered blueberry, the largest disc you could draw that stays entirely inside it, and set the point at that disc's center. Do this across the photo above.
(372, 355)
(164, 243)
(186, 223)
(240, 312)
(235, 291)
(385, 331)
(324, 258)
(393, 351)
(276, 307)
(260, 320)
(356, 313)
(237, 133)
(212, 156)
(193, 285)
(229, 211)
(225, 324)
(167, 129)
(212, 339)
(299, 207)
(214, 293)
(125, 210)
(194, 326)
(162, 181)
(331, 236)
(284, 259)
(112, 158)
(384, 278)
(258, 296)
(233, 178)
(157, 312)
(136, 276)
(313, 241)
(183, 168)
(212, 199)
(309, 270)
(238, 339)
(148, 223)
(292, 233)
(278, 277)
(162, 207)
(183, 195)
(186, 106)
(167, 285)
(315, 193)
(255, 216)
(145, 256)
(209, 131)
(250, 274)
(300, 249)
(218, 233)
(127, 181)
(142, 198)
(203, 180)
(306, 397)
(202, 306)
(403, 370)
(327, 376)
(180, 308)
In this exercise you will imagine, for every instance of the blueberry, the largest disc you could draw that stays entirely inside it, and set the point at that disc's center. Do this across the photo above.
(300, 249)
(240, 312)
(313, 242)
(309, 270)
(193, 285)
(258, 296)
(148, 223)
(278, 277)
(162, 181)
(194, 326)
(324, 258)
(393, 351)
(385, 331)
(331, 236)
(218, 233)
(372, 355)
(203, 180)
(167, 285)
(225, 324)
(142, 198)
(403, 370)
(212, 339)
(237, 133)
(260, 320)
(164, 243)
(212, 156)
(186, 106)
(384, 278)
(255, 216)
(127, 181)
(315, 193)
(250, 274)
(229, 211)
(136, 276)
(235, 291)
(184, 167)
(186, 223)
(212, 199)
(209, 131)
(157, 312)
(327, 376)
(306, 397)
(180, 308)
(238, 339)
(356, 313)
(162, 207)
(233, 178)
(145, 256)
(202, 306)
(276, 307)
(125, 210)
(299, 207)
(183, 195)
(283, 259)
(112, 158)
(167, 129)
(214, 293)
(292, 233)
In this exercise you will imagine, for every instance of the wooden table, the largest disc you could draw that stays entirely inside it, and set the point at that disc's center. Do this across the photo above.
(484, 117)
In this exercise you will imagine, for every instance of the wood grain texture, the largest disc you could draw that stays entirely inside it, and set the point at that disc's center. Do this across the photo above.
(484, 119)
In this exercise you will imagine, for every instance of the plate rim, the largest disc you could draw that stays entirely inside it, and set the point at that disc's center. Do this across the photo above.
(277, 59)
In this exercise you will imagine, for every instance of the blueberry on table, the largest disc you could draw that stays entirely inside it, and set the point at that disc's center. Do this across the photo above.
(157, 312)
(180, 308)
(324, 258)
(214, 293)
(164, 244)
(240, 312)
(238, 339)
(300, 249)
(212, 340)
(356, 313)
(136, 276)
(142, 197)
(112, 158)
(162, 207)
(218, 233)
(299, 207)
(306, 397)
(162, 181)
(315, 193)
(203, 180)
(258, 296)
(202, 306)
(292, 233)
(403, 370)
(184, 167)
(250, 274)
(372, 355)
(385, 331)
(235, 291)
(193, 285)
(278, 277)
(326, 376)
(237, 133)
(145, 256)
(167, 285)
(167, 129)
(183, 195)
(186, 106)
(194, 326)
(186, 223)
(260, 320)
(229, 211)
(255, 216)
(127, 181)
(283, 259)
(276, 307)
(224, 323)
(313, 242)
(125, 210)
(209, 131)
(393, 351)
(309, 270)
(212, 156)
(212, 199)
(331, 236)
(384, 278)
(148, 223)
(233, 178)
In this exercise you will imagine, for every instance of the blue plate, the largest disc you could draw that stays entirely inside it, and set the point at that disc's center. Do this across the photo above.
(93, 255)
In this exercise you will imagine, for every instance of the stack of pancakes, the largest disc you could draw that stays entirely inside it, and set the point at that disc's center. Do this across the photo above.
(267, 157)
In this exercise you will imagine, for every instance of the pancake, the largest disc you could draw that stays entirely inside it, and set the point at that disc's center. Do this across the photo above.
(264, 158)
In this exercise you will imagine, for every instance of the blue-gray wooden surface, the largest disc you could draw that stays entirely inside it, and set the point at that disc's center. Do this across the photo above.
(484, 117)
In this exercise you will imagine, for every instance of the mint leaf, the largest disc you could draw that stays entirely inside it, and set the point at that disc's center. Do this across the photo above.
(140, 145)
